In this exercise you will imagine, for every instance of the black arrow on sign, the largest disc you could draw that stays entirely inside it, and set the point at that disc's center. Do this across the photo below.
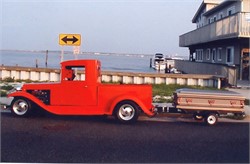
(66, 39)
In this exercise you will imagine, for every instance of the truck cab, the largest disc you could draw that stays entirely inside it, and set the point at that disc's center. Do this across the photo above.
(81, 92)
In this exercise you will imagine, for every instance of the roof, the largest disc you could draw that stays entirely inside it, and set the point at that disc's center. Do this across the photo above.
(80, 62)
(203, 5)
(220, 6)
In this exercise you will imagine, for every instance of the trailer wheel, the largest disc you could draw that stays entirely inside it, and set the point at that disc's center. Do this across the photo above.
(127, 112)
(21, 107)
(211, 119)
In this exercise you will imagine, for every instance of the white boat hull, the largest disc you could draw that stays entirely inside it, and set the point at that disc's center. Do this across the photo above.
(161, 66)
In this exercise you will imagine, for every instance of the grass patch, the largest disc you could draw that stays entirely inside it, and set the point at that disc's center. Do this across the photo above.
(8, 80)
(167, 90)
(7, 87)
(3, 93)
(163, 90)
(12, 80)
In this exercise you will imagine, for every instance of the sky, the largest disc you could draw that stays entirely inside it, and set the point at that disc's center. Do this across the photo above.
(111, 26)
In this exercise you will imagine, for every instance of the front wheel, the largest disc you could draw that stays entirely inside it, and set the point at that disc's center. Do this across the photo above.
(211, 119)
(21, 107)
(127, 112)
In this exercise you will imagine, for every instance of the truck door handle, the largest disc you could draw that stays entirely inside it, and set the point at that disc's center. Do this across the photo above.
(85, 86)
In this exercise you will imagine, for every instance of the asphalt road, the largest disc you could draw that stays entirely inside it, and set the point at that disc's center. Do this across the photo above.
(71, 139)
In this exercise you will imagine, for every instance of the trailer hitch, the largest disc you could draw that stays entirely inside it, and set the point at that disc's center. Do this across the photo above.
(167, 109)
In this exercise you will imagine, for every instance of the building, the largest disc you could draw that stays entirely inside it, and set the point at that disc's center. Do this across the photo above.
(222, 35)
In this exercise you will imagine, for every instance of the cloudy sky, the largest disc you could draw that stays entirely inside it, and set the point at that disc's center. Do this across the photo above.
(116, 26)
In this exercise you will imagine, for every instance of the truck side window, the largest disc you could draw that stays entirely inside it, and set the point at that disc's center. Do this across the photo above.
(70, 75)
(74, 73)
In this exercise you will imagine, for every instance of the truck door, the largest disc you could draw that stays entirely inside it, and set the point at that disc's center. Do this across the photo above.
(77, 93)
(74, 90)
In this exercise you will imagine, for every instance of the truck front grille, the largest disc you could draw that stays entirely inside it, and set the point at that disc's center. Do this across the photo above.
(43, 95)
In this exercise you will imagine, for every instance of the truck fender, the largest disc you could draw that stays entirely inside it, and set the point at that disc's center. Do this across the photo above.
(30, 97)
(147, 111)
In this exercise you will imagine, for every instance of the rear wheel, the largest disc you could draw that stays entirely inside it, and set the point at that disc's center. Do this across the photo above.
(127, 112)
(21, 107)
(211, 119)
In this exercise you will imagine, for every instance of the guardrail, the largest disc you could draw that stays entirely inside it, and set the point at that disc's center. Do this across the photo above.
(53, 75)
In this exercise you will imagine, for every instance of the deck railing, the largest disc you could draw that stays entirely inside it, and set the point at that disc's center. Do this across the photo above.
(237, 25)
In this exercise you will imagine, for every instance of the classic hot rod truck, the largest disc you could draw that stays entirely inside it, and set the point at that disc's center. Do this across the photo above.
(80, 92)
(84, 95)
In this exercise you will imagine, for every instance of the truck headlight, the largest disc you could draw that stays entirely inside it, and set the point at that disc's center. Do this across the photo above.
(15, 89)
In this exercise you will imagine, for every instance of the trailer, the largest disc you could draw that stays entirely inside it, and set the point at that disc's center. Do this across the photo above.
(205, 105)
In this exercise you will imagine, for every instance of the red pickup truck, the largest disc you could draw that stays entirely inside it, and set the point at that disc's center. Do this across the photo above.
(80, 92)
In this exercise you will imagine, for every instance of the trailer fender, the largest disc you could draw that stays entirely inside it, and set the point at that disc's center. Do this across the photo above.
(206, 113)
(148, 111)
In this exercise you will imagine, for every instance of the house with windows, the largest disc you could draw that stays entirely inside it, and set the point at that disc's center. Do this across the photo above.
(221, 36)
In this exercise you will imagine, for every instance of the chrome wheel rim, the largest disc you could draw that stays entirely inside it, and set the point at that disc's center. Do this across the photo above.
(126, 112)
(211, 119)
(20, 107)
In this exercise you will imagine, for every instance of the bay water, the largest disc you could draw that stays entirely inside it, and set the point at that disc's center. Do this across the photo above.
(109, 61)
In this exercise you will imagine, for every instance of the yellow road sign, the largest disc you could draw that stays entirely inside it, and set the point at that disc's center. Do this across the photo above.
(70, 39)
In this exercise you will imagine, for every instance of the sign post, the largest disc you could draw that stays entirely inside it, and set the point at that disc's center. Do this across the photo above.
(76, 51)
(62, 51)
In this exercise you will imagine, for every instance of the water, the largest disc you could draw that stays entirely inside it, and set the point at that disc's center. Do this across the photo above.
(110, 62)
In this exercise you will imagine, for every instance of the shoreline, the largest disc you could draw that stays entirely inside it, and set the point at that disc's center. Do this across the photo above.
(185, 57)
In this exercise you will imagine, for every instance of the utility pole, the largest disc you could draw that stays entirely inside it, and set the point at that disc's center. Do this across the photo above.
(46, 60)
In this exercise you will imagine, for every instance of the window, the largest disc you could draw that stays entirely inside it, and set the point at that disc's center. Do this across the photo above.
(215, 18)
(230, 10)
(230, 55)
(74, 73)
(208, 54)
(199, 55)
(220, 15)
(213, 55)
(219, 54)
(209, 21)
(196, 56)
